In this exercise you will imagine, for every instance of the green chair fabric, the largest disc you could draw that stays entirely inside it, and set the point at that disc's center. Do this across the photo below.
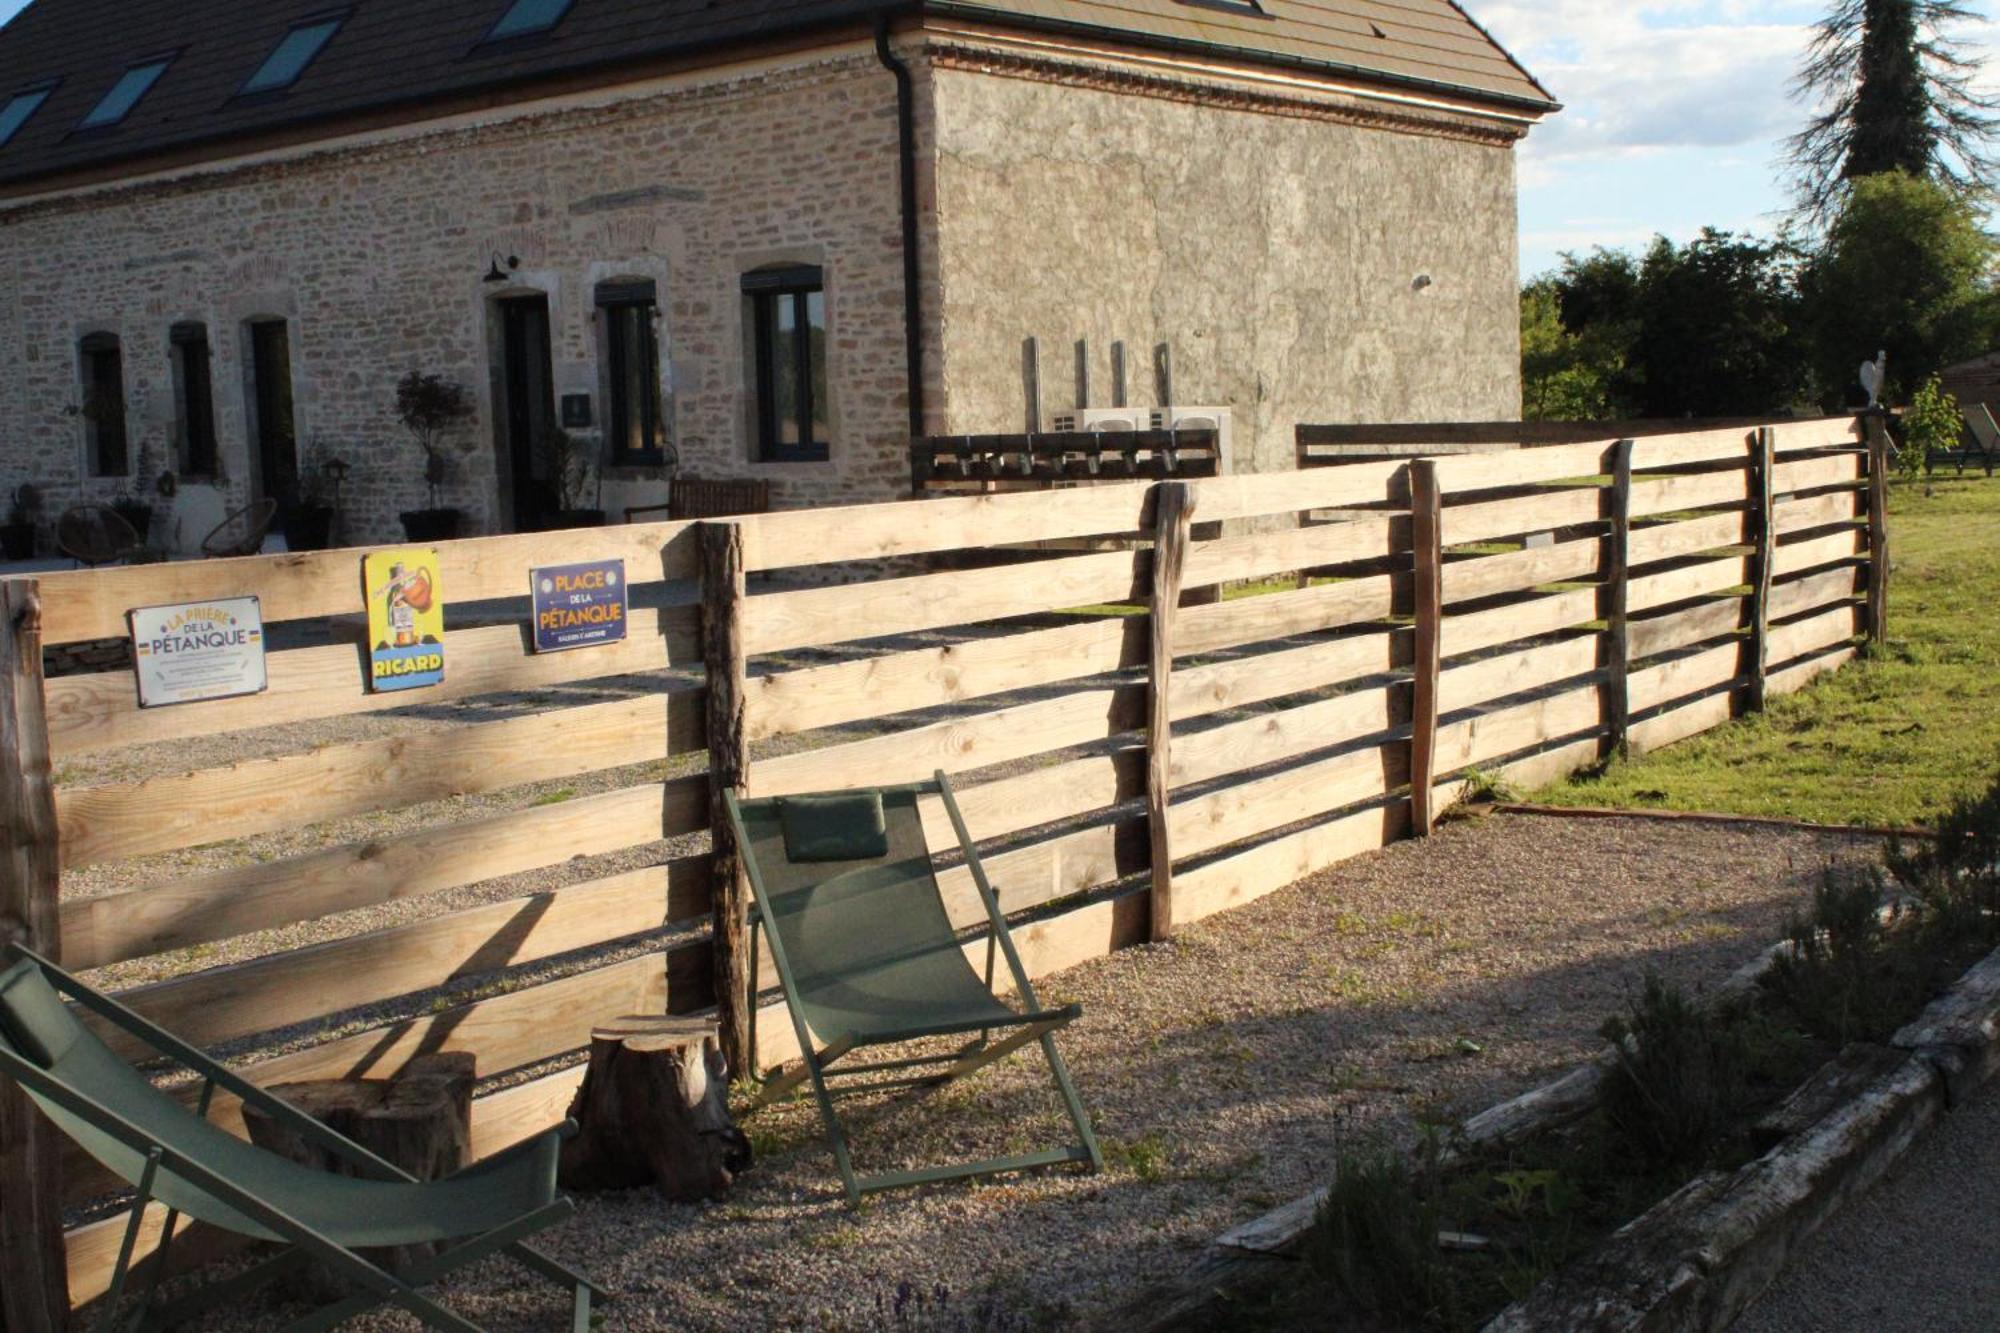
(847, 893)
(149, 1139)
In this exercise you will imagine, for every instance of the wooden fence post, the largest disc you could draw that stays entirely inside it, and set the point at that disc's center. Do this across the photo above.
(722, 594)
(1614, 597)
(1878, 530)
(1764, 536)
(34, 1278)
(1173, 506)
(1427, 542)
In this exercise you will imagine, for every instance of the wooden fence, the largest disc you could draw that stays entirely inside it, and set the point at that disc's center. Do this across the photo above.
(1125, 772)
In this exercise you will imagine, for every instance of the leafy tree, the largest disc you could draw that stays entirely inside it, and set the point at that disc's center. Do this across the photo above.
(1931, 424)
(1893, 91)
(1719, 327)
(1560, 380)
(1906, 268)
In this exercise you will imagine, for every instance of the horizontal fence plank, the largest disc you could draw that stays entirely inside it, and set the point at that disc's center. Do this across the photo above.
(1818, 433)
(814, 617)
(1695, 490)
(95, 712)
(303, 984)
(1683, 629)
(1287, 733)
(1677, 724)
(1792, 557)
(101, 823)
(1242, 681)
(1242, 877)
(226, 903)
(1518, 571)
(1649, 591)
(1262, 804)
(1260, 494)
(1482, 682)
(1545, 511)
(1819, 511)
(1681, 676)
(1694, 536)
(1808, 473)
(1800, 595)
(1488, 736)
(1802, 637)
(1244, 620)
(91, 603)
(836, 535)
(1548, 614)
(1803, 673)
(1262, 554)
(785, 703)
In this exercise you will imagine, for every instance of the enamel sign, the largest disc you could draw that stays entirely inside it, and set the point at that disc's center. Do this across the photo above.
(198, 650)
(579, 606)
(405, 619)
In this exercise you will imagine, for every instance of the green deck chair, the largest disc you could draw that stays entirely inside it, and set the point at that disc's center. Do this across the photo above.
(178, 1158)
(847, 894)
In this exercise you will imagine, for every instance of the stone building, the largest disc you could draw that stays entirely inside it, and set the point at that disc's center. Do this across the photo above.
(764, 241)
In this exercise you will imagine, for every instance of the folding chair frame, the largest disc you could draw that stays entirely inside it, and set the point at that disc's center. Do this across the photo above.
(377, 1285)
(814, 1063)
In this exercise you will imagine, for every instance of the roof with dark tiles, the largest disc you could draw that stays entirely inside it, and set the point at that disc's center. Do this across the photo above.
(399, 59)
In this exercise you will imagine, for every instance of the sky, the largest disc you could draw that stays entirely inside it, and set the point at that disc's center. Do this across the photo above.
(1675, 114)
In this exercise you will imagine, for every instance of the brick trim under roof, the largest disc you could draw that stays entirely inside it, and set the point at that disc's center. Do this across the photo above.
(401, 60)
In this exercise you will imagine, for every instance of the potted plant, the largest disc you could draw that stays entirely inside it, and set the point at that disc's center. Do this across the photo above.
(17, 536)
(429, 406)
(135, 506)
(309, 524)
(570, 470)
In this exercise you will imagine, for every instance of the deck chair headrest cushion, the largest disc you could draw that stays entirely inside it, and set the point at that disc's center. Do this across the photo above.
(33, 1017)
(847, 826)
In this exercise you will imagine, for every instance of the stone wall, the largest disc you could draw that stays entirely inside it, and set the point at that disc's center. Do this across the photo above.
(376, 254)
(1276, 244)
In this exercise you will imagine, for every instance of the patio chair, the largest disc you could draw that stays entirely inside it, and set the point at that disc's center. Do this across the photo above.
(698, 497)
(1979, 419)
(96, 535)
(176, 1156)
(242, 533)
(847, 894)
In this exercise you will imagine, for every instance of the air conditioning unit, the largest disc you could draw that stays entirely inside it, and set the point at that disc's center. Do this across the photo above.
(1101, 419)
(1197, 418)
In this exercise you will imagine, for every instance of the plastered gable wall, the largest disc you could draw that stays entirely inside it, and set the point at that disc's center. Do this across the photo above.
(1275, 253)
(377, 254)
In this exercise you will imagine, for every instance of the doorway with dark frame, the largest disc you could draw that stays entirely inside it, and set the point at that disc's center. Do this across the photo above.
(528, 409)
(277, 440)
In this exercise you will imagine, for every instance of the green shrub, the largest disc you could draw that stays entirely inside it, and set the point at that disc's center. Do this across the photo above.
(1375, 1238)
(1932, 422)
(1679, 1073)
(1841, 976)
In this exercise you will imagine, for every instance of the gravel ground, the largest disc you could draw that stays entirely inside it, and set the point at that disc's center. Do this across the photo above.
(1919, 1254)
(1222, 1071)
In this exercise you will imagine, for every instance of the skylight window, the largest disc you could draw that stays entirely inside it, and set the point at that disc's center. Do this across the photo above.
(125, 94)
(282, 68)
(528, 18)
(19, 107)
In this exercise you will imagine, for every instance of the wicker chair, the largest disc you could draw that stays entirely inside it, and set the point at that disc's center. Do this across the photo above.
(242, 533)
(96, 535)
(698, 497)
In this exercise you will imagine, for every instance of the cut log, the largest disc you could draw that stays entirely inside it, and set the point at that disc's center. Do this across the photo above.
(420, 1121)
(654, 1110)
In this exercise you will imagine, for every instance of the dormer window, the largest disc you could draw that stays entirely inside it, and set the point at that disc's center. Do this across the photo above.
(117, 104)
(19, 107)
(528, 18)
(282, 68)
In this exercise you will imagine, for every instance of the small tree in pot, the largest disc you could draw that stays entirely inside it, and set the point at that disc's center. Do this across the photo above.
(429, 406)
(17, 536)
(571, 470)
(309, 525)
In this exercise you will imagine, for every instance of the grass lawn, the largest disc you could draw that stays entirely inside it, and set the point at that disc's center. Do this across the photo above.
(1888, 740)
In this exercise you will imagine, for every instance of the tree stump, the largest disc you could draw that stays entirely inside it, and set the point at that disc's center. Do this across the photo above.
(654, 1110)
(420, 1120)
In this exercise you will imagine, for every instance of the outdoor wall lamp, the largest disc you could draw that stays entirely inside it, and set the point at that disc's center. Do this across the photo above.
(495, 274)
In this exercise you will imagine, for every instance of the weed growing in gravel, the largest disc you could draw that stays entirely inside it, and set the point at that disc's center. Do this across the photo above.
(1145, 1157)
(1679, 1074)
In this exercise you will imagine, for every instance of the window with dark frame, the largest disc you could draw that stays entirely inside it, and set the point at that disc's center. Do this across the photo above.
(293, 53)
(132, 85)
(788, 362)
(104, 404)
(194, 400)
(634, 419)
(20, 108)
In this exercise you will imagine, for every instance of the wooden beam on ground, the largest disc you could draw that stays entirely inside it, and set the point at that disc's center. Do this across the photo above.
(1172, 526)
(1764, 534)
(34, 1281)
(723, 654)
(1878, 532)
(1427, 539)
(1614, 597)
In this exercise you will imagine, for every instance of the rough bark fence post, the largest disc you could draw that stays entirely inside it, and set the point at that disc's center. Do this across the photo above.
(1615, 596)
(1173, 507)
(1427, 542)
(34, 1279)
(722, 596)
(1764, 536)
(1878, 530)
